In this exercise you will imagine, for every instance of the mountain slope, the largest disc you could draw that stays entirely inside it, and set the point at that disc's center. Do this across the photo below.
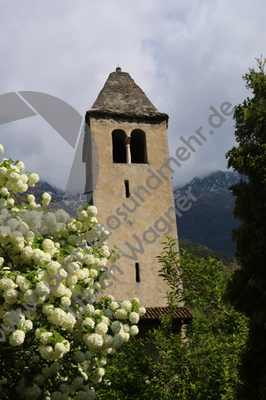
(210, 220)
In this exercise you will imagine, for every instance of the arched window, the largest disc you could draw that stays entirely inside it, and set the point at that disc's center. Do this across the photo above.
(138, 148)
(119, 146)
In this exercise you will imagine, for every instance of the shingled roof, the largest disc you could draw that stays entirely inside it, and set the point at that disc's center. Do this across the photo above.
(120, 96)
(157, 312)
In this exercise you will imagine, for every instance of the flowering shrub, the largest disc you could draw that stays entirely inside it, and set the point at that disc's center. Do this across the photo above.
(55, 337)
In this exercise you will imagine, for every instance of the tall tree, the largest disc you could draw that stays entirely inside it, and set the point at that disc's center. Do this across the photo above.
(247, 290)
(164, 366)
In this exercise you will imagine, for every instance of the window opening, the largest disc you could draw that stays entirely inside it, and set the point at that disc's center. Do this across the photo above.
(119, 146)
(137, 272)
(127, 188)
(138, 147)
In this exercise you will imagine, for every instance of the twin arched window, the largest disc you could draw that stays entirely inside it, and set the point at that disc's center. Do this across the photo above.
(136, 146)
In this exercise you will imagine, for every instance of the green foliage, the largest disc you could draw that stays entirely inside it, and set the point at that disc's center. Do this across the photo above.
(248, 287)
(228, 262)
(200, 362)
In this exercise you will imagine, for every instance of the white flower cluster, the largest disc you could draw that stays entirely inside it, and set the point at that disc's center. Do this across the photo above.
(50, 272)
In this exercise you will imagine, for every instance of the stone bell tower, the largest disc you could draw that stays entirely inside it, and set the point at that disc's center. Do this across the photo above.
(134, 193)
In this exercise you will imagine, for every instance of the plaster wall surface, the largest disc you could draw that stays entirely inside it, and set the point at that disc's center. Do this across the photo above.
(110, 195)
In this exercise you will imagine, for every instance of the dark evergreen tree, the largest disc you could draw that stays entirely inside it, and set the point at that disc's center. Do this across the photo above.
(247, 290)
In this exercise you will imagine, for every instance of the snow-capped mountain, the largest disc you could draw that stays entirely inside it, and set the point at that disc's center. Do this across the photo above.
(216, 182)
(210, 219)
(54, 191)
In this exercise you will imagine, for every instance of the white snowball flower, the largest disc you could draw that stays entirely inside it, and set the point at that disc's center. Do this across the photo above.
(45, 337)
(100, 372)
(126, 305)
(62, 216)
(33, 178)
(31, 298)
(93, 273)
(58, 316)
(105, 320)
(106, 253)
(126, 337)
(32, 204)
(126, 328)
(24, 178)
(47, 352)
(52, 268)
(20, 166)
(92, 211)
(27, 254)
(61, 348)
(39, 256)
(93, 341)
(46, 198)
(48, 309)
(116, 327)
(60, 291)
(108, 313)
(1, 149)
(65, 301)
(114, 305)
(28, 325)
(134, 318)
(31, 198)
(117, 341)
(134, 330)
(141, 311)
(89, 321)
(69, 321)
(121, 314)
(17, 338)
(10, 296)
(10, 202)
(101, 328)
(49, 220)
(83, 215)
(7, 283)
(90, 308)
(107, 342)
(4, 191)
(48, 245)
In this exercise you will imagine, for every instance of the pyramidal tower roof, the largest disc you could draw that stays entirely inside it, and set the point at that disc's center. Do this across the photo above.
(121, 96)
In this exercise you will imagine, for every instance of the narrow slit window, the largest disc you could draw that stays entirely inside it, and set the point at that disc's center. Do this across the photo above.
(127, 188)
(137, 272)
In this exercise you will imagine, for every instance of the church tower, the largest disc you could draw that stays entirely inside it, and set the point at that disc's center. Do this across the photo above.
(134, 193)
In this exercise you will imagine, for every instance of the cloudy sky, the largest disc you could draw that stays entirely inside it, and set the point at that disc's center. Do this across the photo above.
(185, 55)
